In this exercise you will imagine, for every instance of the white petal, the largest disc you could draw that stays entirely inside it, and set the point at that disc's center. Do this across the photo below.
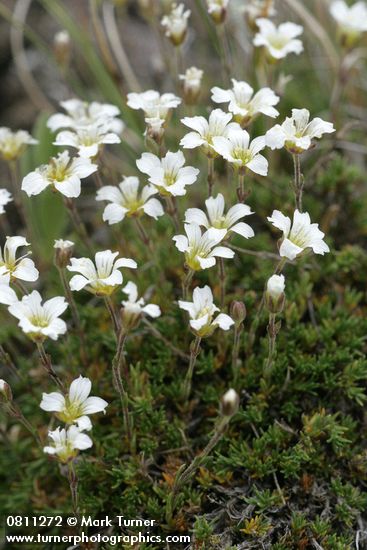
(52, 402)
(243, 229)
(93, 405)
(223, 321)
(79, 390)
(34, 183)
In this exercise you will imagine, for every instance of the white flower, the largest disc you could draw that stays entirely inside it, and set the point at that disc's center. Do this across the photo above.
(202, 310)
(76, 406)
(13, 144)
(297, 132)
(153, 104)
(63, 245)
(168, 175)
(66, 443)
(217, 219)
(237, 149)
(40, 321)
(135, 305)
(88, 140)
(175, 23)
(126, 201)
(62, 173)
(201, 249)
(5, 198)
(278, 41)
(83, 114)
(217, 10)
(205, 130)
(191, 84)
(7, 294)
(259, 8)
(22, 268)
(275, 286)
(352, 20)
(298, 236)
(103, 277)
(243, 104)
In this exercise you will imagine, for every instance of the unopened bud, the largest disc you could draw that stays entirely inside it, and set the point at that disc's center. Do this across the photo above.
(6, 395)
(62, 48)
(275, 296)
(63, 252)
(191, 85)
(238, 312)
(229, 403)
(155, 129)
(217, 10)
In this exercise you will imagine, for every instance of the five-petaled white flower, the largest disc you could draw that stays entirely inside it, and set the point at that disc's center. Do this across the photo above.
(278, 41)
(175, 23)
(5, 198)
(352, 20)
(88, 139)
(66, 443)
(62, 173)
(202, 311)
(83, 114)
(13, 144)
(299, 235)
(168, 175)
(242, 102)
(218, 220)
(154, 105)
(200, 249)
(100, 278)
(22, 268)
(297, 132)
(135, 305)
(126, 200)
(7, 294)
(76, 406)
(40, 321)
(219, 124)
(237, 149)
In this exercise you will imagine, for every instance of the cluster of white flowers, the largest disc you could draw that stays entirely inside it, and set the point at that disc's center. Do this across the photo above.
(74, 410)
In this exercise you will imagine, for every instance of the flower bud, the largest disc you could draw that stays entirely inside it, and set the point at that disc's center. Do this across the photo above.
(62, 48)
(155, 129)
(63, 252)
(275, 293)
(229, 403)
(217, 10)
(191, 85)
(238, 312)
(175, 24)
(6, 395)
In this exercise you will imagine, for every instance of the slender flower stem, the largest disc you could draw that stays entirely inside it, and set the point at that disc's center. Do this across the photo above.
(238, 329)
(21, 287)
(255, 322)
(14, 411)
(73, 482)
(272, 334)
(143, 234)
(119, 385)
(222, 280)
(184, 475)
(74, 314)
(8, 362)
(194, 352)
(186, 283)
(46, 363)
(14, 178)
(112, 312)
(210, 178)
(241, 194)
(78, 224)
(172, 211)
(298, 181)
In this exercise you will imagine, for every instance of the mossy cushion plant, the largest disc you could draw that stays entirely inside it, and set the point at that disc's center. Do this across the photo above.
(186, 346)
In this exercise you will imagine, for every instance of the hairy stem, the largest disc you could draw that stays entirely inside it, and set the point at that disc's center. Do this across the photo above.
(47, 364)
(194, 352)
(222, 281)
(210, 178)
(298, 181)
(235, 354)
